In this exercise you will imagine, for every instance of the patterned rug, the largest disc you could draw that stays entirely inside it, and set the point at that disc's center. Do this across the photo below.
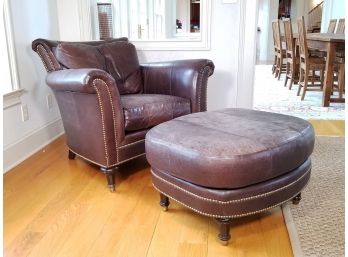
(316, 224)
(271, 95)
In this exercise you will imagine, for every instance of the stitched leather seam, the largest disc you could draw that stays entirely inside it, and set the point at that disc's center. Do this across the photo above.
(47, 55)
(113, 113)
(231, 201)
(103, 123)
(131, 143)
(228, 216)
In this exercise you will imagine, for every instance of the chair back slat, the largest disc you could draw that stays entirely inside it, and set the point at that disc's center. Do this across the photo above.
(277, 36)
(341, 26)
(288, 36)
(332, 26)
(302, 39)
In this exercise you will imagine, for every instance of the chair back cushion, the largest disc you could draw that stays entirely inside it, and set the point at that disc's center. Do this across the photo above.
(122, 63)
(77, 56)
(118, 57)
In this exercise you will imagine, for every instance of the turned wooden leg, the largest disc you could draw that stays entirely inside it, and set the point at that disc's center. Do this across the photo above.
(71, 155)
(164, 201)
(224, 233)
(297, 199)
(110, 177)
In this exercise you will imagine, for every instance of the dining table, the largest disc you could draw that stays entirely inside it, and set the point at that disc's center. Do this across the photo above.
(330, 43)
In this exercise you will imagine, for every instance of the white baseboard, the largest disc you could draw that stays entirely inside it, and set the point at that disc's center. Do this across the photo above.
(15, 153)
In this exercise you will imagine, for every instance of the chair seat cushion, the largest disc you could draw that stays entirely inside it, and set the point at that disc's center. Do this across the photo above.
(229, 148)
(143, 111)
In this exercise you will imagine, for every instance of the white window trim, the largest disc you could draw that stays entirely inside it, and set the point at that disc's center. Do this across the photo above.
(11, 98)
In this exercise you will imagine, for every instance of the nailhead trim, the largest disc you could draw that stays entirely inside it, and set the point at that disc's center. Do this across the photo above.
(113, 113)
(103, 123)
(42, 59)
(230, 216)
(103, 166)
(200, 84)
(47, 56)
(231, 201)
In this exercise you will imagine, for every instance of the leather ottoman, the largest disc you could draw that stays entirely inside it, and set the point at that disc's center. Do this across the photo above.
(230, 163)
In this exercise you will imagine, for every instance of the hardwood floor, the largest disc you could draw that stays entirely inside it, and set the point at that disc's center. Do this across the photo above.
(54, 206)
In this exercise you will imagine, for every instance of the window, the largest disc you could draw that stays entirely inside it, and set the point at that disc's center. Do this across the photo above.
(9, 78)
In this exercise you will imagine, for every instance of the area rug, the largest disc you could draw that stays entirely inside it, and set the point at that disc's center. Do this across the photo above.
(316, 224)
(271, 95)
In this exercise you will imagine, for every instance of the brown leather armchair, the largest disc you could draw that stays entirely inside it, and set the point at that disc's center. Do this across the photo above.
(108, 101)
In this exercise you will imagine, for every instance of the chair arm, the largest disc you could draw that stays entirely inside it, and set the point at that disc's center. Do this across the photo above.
(184, 78)
(77, 80)
(89, 101)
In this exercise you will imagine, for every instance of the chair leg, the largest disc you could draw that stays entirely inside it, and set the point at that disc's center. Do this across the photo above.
(224, 233)
(286, 80)
(305, 82)
(291, 82)
(110, 177)
(300, 82)
(341, 80)
(296, 200)
(164, 201)
(287, 73)
(280, 67)
(71, 155)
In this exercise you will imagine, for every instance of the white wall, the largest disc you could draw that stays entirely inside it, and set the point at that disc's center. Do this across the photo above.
(222, 86)
(332, 9)
(31, 20)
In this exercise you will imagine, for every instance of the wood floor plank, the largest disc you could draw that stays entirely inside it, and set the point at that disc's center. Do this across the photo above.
(179, 232)
(59, 207)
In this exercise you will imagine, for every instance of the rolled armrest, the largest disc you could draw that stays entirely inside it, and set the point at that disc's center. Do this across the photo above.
(77, 80)
(85, 97)
(184, 78)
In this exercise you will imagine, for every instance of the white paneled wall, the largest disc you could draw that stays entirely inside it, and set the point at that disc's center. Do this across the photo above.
(31, 19)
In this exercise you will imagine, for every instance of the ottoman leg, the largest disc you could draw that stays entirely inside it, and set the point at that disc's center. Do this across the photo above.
(224, 233)
(164, 201)
(297, 199)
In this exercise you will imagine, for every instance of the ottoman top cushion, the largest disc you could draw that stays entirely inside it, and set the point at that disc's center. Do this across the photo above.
(229, 148)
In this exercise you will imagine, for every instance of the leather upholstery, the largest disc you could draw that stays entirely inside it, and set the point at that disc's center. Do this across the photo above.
(184, 78)
(236, 202)
(230, 163)
(122, 63)
(92, 107)
(147, 110)
(77, 55)
(241, 147)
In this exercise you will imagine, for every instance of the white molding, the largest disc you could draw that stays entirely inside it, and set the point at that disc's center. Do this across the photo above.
(246, 53)
(192, 44)
(17, 152)
(84, 9)
(12, 98)
(11, 45)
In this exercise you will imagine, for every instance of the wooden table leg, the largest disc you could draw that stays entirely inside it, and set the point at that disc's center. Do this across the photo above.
(331, 52)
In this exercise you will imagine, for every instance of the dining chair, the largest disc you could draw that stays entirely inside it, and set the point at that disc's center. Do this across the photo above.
(279, 50)
(291, 60)
(332, 26)
(308, 64)
(340, 26)
(275, 48)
